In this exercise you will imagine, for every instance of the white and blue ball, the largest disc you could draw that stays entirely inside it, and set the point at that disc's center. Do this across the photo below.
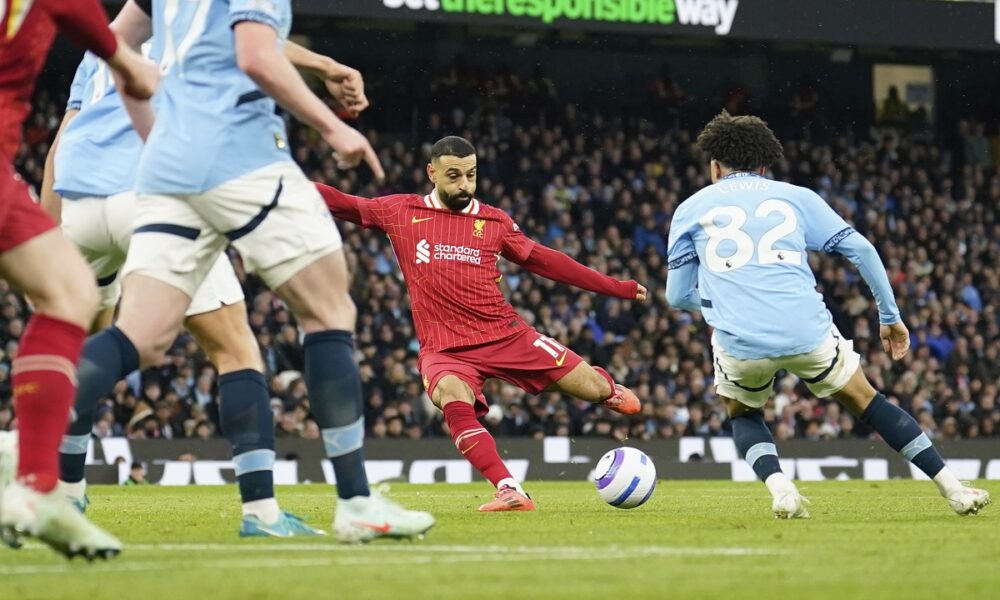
(625, 477)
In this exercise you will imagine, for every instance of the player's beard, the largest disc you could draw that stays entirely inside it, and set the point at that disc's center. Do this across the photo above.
(455, 202)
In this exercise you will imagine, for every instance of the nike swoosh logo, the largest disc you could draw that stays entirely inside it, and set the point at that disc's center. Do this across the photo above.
(415, 220)
(562, 358)
(469, 449)
(383, 528)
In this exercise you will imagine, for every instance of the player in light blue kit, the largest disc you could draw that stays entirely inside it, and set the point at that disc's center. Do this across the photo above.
(738, 253)
(215, 171)
(92, 167)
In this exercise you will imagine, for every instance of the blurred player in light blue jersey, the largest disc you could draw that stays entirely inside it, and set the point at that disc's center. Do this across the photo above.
(215, 171)
(738, 253)
(94, 161)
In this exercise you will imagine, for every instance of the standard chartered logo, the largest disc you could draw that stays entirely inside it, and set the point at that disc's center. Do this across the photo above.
(718, 14)
(423, 252)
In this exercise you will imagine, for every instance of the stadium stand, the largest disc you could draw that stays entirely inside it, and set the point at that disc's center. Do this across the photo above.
(602, 187)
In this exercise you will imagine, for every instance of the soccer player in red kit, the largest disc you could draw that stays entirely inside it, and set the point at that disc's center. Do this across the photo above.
(36, 258)
(448, 244)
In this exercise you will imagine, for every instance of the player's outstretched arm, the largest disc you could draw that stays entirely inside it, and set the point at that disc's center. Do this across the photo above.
(682, 287)
(343, 206)
(51, 201)
(857, 249)
(556, 266)
(258, 56)
(344, 83)
(86, 24)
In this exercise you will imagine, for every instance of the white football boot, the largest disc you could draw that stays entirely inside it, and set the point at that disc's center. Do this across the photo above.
(52, 518)
(969, 500)
(790, 505)
(364, 518)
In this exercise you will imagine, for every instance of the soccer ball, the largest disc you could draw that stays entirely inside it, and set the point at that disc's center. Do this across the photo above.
(625, 477)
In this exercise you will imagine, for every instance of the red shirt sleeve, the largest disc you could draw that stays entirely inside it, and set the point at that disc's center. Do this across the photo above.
(374, 212)
(515, 247)
(554, 265)
(85, 23)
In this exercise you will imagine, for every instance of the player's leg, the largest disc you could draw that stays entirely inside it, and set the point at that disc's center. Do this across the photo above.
(38, 260)
(317, 295)
(218, 321)
(597, 386)
(278, 222)
(169, 256)
(755, 444)
(455, 389)
(902, 432)
(745, 386)
(96, 227)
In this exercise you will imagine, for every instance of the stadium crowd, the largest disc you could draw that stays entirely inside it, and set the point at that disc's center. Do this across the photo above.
(602, 188)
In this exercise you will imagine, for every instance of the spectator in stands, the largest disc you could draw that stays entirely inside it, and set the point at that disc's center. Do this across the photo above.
(603, 188)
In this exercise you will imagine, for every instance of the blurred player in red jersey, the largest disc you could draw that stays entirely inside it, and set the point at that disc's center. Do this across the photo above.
(36, 258)
(447, 244)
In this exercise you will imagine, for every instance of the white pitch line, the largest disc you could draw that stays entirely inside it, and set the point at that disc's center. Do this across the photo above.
(417, 548)
(360, 559)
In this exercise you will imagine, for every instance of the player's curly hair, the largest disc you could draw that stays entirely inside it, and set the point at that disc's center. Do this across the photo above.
(743, 143)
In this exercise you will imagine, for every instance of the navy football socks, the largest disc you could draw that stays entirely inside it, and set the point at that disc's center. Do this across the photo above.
(755, 443)
(335, 398)
(247, 422)
(107, 357)
(903, 434)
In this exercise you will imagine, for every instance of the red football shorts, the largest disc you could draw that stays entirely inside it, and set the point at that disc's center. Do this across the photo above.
(529, 360)
(20, 218)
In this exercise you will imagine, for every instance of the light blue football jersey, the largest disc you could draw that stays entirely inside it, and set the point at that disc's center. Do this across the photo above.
(98, 151)
(750, 235)
(212, 122)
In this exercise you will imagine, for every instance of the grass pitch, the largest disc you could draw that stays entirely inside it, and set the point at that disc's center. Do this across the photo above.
(702, 540)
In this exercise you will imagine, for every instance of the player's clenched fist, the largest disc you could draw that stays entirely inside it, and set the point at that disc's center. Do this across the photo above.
(895, 339)
(640, 293)
(347, 87)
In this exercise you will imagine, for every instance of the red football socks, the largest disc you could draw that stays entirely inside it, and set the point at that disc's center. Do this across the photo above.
(610, 379)
(474, 442)
(44, 380)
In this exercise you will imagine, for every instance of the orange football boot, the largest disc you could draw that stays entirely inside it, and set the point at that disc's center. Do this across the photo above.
(508, 498)
(623, 401)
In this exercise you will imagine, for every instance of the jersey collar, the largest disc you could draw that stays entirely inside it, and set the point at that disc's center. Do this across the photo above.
(432, 201)
(736, 174)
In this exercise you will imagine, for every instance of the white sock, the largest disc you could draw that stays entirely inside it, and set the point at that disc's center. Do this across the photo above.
(779, 484)
(947, 483)
(77, 490)
(511, 482)
(266, 510)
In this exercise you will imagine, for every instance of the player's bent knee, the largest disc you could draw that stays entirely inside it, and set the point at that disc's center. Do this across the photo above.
(452, 389)
(857, 394)
(151, 345)
(235, 357)
(322, 313)
(72, 298)
(230, 346)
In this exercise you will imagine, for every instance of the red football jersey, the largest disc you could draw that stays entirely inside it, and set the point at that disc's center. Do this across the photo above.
(27, 29)
(449, 261)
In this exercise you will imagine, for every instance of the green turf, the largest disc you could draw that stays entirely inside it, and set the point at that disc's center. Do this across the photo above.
(699, 540)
